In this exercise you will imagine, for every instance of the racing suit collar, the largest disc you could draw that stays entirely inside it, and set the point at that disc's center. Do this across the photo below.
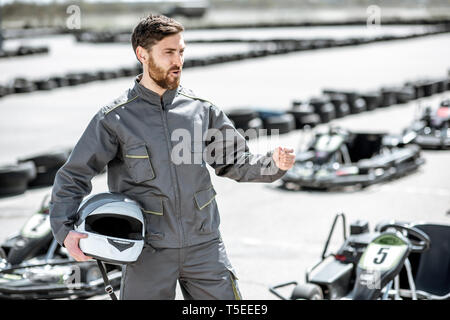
(152, 96)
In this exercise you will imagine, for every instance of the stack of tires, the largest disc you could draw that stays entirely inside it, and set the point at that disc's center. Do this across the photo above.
(304, 114)
(372, 99)
(256, 119)
(324, 108)
(33, 171)
(356, 103)
(277, 121)
(23, 51)
(14, 178)
(47, 164)
(340, 104)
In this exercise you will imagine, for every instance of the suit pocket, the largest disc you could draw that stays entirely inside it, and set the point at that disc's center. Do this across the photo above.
(204, 197)
(138, 161)
(153, 208)
(207, 217)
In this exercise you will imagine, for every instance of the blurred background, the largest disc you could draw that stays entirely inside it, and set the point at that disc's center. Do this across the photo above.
(273, 61)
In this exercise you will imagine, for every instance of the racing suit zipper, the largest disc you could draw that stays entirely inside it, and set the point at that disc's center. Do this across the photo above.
(173, 174)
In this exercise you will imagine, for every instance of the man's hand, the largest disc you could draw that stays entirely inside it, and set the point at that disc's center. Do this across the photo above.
(72, 245)
(284, 158)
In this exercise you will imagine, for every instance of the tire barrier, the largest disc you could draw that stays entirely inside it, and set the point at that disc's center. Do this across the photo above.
(324, 108)
(356, 103)
(304, 115)
(285, 44)
(334, 104)
(22, 85)
(47, 164)
(23, 51)
(264, 48)
(14, 178)
(241, 117)
(33, 171)
(283, 122)
(372, 100)
(251, 118)
(351, 22)
(340, 104)
(28, 32)
(388, 96)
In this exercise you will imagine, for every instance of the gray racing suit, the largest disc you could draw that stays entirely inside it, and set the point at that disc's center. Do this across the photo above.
(136, 138)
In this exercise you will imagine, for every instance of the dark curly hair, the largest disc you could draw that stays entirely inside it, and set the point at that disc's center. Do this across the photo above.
(152, 29)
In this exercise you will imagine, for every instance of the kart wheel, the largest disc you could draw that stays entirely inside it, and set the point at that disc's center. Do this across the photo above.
(307, 291)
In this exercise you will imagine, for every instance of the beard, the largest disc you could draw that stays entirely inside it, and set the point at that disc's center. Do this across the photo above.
(162, 77)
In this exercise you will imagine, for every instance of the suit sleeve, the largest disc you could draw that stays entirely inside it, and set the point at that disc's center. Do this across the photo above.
(229, 154)
(97, 146)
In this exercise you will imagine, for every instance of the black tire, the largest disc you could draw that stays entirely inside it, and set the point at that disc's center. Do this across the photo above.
(428, 87)
(60, 81)
(340, 104)
(284, 123)
(4, 91)
(255, 125)
(357, 105)
(388, 97)
(418, 90)
(47, 164)
(127, 72)
(106, 75)
(324, 108)
(372, 99)
(242, 116)
(45, 84)
(441, 85)
(14, 179)
(74, 79)
(24, 50)
(21, 85)
(307, 291)
(405, 94)
(89, 76)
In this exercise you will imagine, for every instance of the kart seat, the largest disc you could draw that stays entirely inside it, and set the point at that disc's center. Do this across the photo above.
(433, 273)
(364, 145)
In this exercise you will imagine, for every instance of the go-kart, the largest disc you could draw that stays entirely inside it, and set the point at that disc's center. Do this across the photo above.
(398, 260)
(34, 266)
(432, 129)
(339, 158)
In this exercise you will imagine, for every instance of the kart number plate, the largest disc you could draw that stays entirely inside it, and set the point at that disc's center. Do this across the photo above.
(381, 257)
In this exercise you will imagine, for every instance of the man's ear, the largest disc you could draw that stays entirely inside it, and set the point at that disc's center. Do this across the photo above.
(142, 54)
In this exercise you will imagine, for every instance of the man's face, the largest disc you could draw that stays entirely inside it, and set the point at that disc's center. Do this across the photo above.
(166, 60)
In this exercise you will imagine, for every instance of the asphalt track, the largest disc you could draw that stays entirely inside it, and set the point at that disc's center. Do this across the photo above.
(271, 235)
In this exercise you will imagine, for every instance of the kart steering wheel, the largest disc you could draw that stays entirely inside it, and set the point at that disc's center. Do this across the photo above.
(421, 245)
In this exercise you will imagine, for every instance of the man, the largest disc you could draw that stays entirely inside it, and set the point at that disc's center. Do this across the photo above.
(133, 137)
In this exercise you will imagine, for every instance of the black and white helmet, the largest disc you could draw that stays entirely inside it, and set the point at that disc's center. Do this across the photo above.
(115, 227)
